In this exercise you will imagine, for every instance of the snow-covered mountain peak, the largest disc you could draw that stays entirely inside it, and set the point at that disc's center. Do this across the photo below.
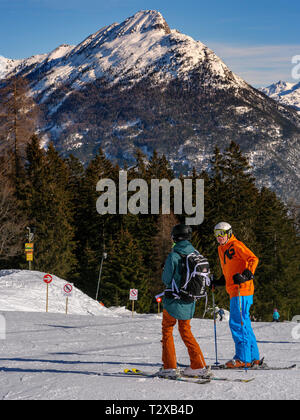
(141, 22)
(141, 45)
(277, 88)
(60, 51)
(128, 52)
(284, 92)
(7, 65)
(117, 67)
(144, 21)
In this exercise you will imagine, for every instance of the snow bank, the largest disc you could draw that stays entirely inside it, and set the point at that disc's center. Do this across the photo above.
(24, 290)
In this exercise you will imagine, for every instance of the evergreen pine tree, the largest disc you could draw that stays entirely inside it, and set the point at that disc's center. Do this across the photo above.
(241, 194)
(13, 219)
(18, 122)
(74, 186)
(124, 270)
(93, 229)
(277, 275)
(49, 207)
(161, 247)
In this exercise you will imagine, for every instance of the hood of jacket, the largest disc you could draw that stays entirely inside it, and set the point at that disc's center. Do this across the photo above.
(183, 247)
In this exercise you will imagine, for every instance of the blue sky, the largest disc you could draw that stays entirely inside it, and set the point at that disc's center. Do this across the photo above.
(257, 39)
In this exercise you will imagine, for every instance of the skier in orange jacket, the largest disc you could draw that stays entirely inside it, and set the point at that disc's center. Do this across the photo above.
(238, 265)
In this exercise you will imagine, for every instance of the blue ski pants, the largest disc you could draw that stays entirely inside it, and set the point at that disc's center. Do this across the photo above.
(243, 336)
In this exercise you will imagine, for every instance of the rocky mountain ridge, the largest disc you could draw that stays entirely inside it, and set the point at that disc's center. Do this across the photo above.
(141, 84)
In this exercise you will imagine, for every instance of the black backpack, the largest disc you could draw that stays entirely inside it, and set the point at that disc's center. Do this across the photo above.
(194, 278)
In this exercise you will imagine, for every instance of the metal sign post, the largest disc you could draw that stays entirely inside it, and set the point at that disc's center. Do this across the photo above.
(68, 290)
(29, 253)
(133, 296)
(104, 256)
(29, 246)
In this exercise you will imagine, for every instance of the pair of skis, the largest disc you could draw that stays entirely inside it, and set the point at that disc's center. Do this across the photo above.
(183, 378)
(204, 380)
(137, 372)
(262, 365)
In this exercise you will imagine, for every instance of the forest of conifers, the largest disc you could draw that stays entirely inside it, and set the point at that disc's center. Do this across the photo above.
(57, 196)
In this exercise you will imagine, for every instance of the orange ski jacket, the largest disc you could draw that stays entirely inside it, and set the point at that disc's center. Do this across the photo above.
(235, 257)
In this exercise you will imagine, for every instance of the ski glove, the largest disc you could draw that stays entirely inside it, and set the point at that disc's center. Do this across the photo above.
(242, 278)
(220, 282)
(247, 273)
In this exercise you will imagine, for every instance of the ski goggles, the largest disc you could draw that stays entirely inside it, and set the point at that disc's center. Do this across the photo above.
(220, 233)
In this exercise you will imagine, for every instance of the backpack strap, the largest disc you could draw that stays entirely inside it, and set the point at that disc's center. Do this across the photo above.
(188, 274)
(173, 292)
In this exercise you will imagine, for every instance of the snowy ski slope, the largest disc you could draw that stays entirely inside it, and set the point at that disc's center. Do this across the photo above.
(82, 355)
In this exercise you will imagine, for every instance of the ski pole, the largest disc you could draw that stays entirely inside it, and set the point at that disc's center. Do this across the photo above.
(215, 325)
(242, 325)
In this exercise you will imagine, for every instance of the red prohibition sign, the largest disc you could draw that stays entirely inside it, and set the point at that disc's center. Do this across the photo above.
(47, 278)
(68, 288)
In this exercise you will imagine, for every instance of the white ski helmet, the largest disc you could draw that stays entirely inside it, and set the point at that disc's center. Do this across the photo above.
(224, 227)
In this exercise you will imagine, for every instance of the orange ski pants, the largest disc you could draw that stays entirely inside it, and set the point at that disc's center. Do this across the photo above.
(168, 347)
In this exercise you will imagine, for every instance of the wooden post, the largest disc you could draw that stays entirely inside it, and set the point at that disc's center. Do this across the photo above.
(67, 301)
(132, 307)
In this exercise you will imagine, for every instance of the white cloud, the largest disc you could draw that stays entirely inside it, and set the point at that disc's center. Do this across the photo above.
(259, 65)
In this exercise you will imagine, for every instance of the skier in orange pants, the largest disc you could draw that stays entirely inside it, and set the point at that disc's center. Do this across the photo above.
(176, 309)
(169, 353)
